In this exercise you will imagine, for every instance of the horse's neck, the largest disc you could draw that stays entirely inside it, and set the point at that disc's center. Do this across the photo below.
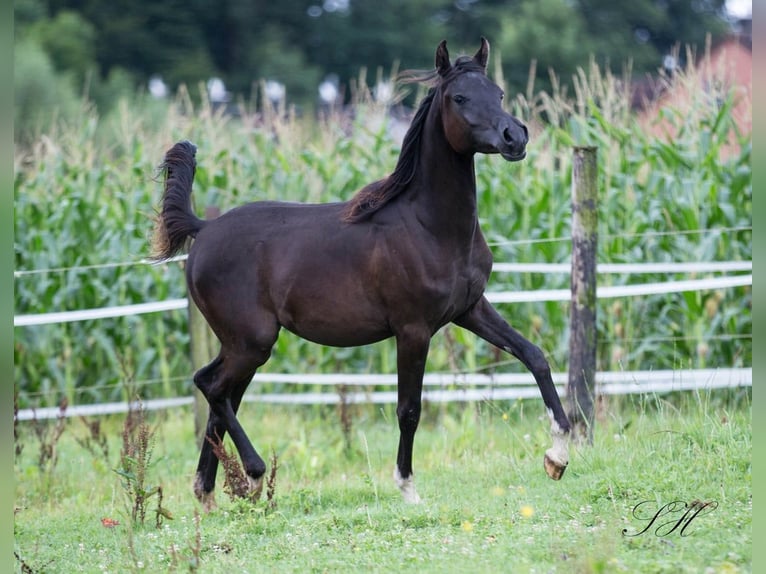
(446, 196)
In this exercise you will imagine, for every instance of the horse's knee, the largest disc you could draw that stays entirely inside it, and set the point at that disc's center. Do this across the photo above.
(200, 381)
(537, 361)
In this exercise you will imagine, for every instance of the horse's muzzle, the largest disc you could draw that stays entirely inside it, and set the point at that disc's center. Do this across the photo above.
(514, 136)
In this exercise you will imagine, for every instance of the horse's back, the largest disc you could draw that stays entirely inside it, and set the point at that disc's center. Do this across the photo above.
(231, 239)
(300, 263)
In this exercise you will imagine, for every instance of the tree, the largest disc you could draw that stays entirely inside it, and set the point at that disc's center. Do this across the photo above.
(39, 93)
(527, 36)
(145, 37)
(69, 41)
(646, 30)
(562, 35)
(297, 42)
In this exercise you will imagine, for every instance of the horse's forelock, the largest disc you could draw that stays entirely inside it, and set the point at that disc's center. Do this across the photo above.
(463, 65)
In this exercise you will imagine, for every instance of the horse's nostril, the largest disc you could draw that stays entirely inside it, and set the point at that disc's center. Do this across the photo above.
(507, 136)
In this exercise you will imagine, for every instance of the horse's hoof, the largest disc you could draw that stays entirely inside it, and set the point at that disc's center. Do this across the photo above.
(554, 469)
(206, 499)
(407, 488)
(254, 488)
(411, 496)
(208, 502)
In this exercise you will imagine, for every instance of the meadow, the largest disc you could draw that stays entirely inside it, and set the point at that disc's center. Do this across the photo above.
(488, 505)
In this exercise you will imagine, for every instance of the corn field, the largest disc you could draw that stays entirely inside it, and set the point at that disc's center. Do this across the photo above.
(86, 192)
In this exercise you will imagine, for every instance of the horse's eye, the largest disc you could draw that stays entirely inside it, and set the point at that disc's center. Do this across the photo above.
(458, 99)
(502, 95)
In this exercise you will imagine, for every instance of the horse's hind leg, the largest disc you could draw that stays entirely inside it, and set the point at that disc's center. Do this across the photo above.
(223, 382)
(207, 468)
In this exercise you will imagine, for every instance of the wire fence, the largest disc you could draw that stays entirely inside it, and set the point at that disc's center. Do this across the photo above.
(437, 388)
(451, 386)
(537, 295)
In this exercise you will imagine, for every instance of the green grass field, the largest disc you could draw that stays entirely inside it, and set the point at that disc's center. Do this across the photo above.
(488, 505)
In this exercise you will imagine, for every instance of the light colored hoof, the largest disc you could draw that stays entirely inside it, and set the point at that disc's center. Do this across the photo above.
(206, 499)
(406, 487)
(553, 467)
(254, 488)
(557, 457)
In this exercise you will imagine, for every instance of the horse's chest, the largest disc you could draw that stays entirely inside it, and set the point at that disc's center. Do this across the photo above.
(439, 286)
(429, 276)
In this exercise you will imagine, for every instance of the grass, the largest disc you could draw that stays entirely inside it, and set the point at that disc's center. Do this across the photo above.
(488, 504)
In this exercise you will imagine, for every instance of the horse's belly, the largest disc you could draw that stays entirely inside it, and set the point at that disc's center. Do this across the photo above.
(337, 338)
(336, 330)
(339, 318)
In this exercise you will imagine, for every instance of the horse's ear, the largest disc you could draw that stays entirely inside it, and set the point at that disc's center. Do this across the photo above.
(482, 56)
(442, 59)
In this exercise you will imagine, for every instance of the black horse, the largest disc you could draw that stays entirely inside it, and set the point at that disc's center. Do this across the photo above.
(404, 257)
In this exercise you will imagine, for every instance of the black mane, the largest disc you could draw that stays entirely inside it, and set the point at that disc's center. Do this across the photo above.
(374, 196)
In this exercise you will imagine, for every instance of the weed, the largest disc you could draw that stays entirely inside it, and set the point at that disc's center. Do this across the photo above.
(135, 459)
(18, 445)
(48, 436)
(193, 558)
(369, 477)
(25, 568)
(344, 413)
(95, 442)
(271, 482)
(236, 483)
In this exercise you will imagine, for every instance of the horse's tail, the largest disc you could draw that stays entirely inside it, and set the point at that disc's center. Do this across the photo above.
(176, 221)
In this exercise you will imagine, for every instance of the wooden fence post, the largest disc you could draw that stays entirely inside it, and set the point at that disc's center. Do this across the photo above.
(582, 313)
(203, 345)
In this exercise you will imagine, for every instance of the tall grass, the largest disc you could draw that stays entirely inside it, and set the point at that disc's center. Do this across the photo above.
(85, 194)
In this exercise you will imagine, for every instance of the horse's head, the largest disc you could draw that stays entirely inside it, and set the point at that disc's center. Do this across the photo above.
(471, 108)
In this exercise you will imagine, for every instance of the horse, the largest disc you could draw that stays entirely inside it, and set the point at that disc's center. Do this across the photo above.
(402, 258)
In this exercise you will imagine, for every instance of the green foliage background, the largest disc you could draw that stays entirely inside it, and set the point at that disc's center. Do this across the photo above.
(85, 194)
(104, 49)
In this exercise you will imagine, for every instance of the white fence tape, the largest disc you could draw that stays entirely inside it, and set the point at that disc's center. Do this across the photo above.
(507, 386)
(494, 297)
(629, 268)
(475, 386)
(101, 313)
(608, 292)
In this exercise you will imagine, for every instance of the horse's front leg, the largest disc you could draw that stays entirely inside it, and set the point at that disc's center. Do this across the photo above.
(485, 321)
(412, 351)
